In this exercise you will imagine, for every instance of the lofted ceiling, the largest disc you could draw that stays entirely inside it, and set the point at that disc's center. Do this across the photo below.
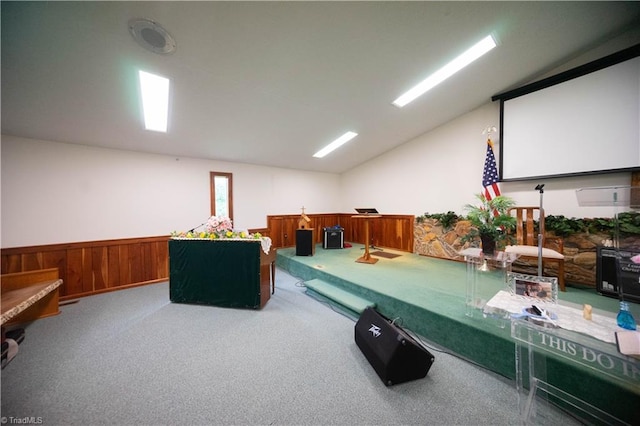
(271, 83)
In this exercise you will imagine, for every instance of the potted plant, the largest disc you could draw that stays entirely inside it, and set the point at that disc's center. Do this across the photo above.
(490, 221)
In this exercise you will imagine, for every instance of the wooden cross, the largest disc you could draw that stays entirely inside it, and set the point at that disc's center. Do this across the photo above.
(304, 220)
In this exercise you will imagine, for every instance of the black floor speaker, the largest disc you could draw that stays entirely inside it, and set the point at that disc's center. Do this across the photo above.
(304, 242)
(614, 269)
(393, 354)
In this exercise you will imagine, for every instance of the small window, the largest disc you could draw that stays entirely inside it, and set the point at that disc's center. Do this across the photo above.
(221, 194)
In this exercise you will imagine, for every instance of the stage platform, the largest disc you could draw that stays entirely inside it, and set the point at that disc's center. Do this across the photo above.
(427, 296)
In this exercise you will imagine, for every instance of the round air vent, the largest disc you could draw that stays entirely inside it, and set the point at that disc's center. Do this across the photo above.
(152, 36)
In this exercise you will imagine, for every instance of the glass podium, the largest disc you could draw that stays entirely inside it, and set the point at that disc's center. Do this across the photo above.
(549, 362)
(586, 376)
(481, 286)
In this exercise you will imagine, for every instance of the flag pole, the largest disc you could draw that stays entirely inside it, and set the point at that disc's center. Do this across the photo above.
(490, 187)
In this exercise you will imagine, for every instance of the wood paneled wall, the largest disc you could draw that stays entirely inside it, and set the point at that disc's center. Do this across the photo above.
(390, 231)
(96, 266)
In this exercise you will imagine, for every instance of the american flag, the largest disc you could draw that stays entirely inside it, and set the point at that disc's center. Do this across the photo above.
(490, 185)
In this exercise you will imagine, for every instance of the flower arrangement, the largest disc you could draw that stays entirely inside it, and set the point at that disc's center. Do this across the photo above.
(217, 227)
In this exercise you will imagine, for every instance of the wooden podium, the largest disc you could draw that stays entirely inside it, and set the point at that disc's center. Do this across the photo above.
(366, 257)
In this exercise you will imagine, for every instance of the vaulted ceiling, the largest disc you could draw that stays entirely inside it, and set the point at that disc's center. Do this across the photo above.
(273, 82)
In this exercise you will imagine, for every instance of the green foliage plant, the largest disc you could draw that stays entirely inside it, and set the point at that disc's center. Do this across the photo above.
(447, 220)
(628, 223)
(563, 226)
(490, 218)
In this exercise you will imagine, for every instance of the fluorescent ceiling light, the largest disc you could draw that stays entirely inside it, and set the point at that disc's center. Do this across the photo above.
(479, 49)
(335, 144)
(155, 101)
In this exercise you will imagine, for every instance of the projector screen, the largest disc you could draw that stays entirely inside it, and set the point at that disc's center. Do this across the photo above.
(585, 120)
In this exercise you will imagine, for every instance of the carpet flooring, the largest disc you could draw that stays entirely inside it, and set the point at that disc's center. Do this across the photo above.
(131, 357)
(427, 295)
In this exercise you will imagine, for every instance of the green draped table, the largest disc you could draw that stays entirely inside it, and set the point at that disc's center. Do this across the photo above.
(227, 273)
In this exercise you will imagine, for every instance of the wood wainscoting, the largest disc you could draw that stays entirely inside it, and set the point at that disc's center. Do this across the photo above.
(390, 231)
(94, 267)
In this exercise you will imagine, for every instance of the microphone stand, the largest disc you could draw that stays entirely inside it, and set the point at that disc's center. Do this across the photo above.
(193, 229)
(540, 230)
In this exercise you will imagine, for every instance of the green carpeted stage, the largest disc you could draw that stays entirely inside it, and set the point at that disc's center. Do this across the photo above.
(427, 296)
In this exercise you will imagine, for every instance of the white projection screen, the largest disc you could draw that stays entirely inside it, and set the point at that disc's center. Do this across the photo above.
(583, 121)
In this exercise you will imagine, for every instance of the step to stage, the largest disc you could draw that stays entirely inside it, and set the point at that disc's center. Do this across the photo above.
(345, 299)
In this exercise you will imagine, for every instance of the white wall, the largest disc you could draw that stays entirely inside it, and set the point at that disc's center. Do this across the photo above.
(442, 170)
(434, 173)
(57, 193)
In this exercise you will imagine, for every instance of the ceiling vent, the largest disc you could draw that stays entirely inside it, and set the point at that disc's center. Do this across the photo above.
(152, 36)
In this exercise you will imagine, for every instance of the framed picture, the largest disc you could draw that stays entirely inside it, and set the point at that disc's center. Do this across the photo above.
(533, 286)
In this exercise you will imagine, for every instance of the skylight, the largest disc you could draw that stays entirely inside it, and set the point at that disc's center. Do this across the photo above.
(475, 52)
(335, 144)
(155, 101)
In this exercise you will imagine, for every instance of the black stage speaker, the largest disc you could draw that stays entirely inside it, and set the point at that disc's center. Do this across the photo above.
(392, 353)
(333, 238)
(610, 275)
(304, 242)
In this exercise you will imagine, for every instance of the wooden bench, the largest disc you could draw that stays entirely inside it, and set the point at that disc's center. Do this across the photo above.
(27, 296)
